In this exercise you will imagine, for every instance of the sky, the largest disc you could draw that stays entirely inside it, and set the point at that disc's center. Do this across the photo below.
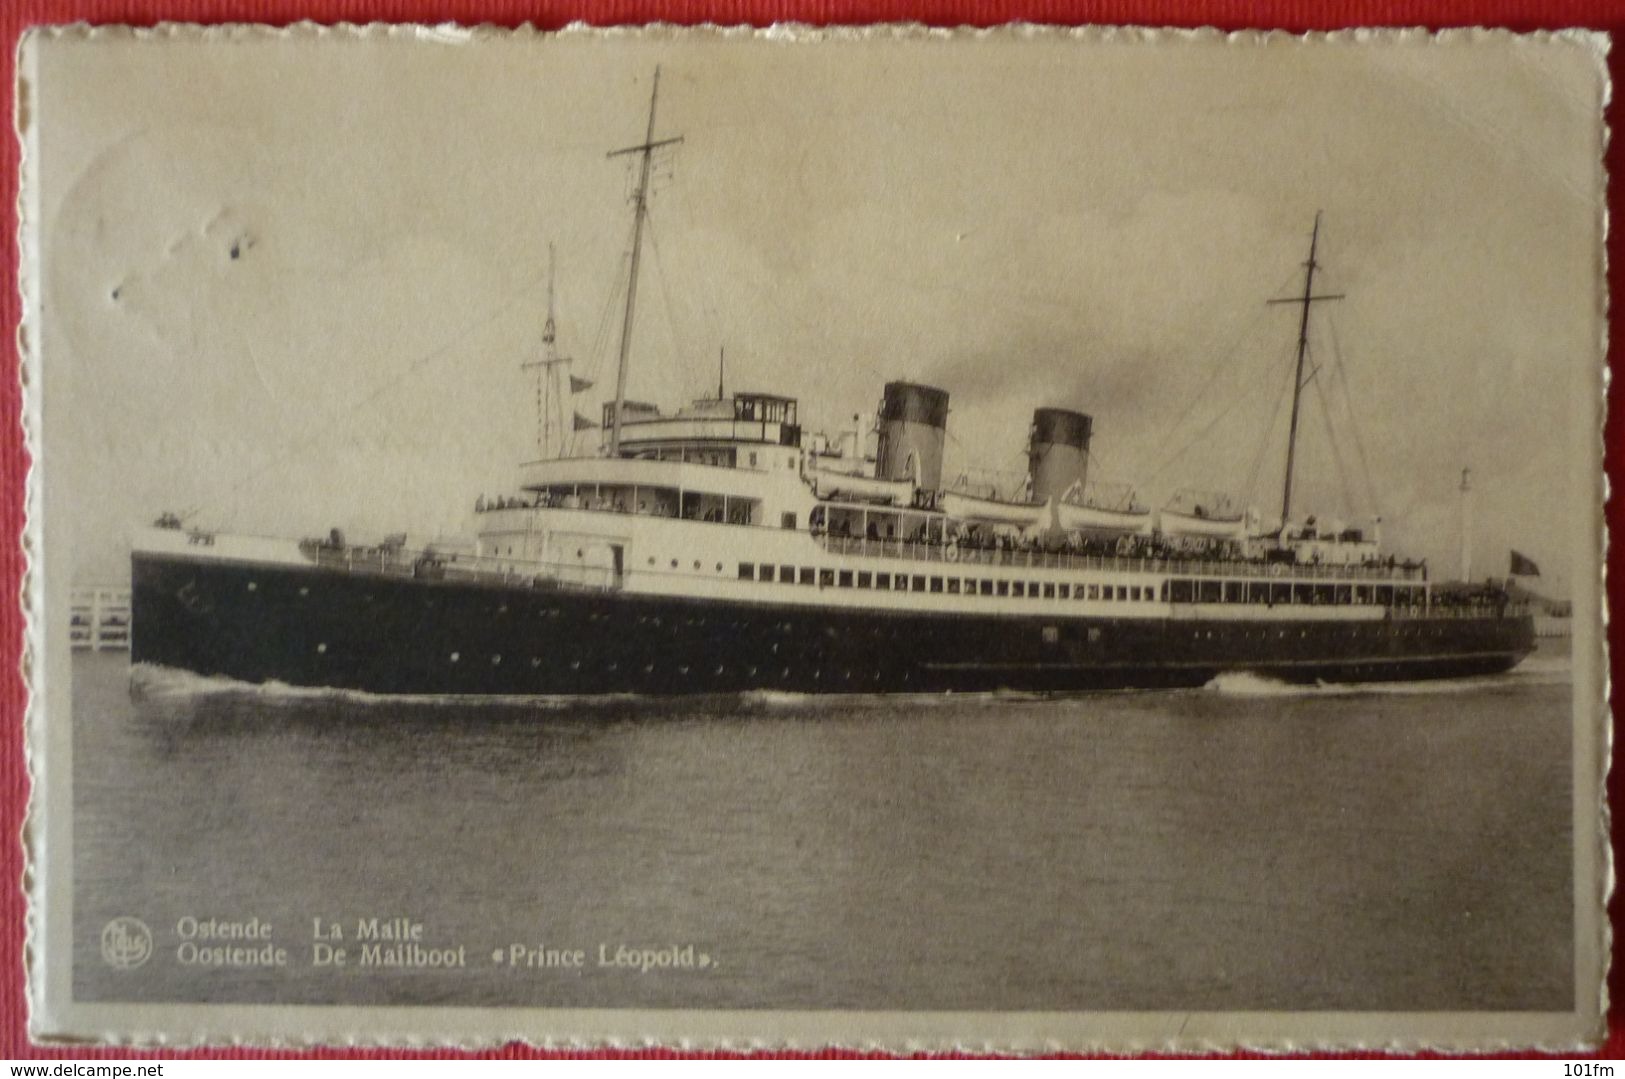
(287, 282)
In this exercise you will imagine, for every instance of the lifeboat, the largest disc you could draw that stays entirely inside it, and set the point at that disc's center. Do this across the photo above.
(827, 484)
(1179, 523)
(979, 510)
(1076, 518)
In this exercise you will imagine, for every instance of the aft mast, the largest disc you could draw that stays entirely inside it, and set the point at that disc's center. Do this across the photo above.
(1298, 381)
(640, 212)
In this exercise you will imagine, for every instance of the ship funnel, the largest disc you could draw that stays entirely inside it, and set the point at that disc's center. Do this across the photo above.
(1058, 454)
(913, 424)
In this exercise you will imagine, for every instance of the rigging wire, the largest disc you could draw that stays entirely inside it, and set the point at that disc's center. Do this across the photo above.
(684, 358)
(1264, 441)
(598, 351)
(1219, 364)
(1354, 425)
(1203, 433)
(612, 304)
(1331, 440)
(326, 424)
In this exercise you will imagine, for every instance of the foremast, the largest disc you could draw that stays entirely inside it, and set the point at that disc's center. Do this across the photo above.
(640, 212)
(550, 395)
(1298, 381)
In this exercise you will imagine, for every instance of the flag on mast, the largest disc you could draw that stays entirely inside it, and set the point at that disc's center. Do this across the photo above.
(1524, 566)
(582, 423)
(580, 385)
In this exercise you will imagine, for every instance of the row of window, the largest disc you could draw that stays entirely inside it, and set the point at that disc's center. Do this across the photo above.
(1273, 593)
(1269, 593)
(953, 586)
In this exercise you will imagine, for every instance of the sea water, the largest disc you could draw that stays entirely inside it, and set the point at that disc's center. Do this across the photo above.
(1243, 846)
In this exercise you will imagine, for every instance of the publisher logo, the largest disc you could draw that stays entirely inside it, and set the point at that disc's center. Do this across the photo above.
(126, 943)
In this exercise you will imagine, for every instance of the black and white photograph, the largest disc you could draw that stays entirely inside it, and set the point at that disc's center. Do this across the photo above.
(1013, 540)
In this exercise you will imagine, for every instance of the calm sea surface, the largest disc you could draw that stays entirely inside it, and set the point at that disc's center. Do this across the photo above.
(1245, 846)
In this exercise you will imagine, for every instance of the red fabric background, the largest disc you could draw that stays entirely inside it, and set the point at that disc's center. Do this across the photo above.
(1226, 14)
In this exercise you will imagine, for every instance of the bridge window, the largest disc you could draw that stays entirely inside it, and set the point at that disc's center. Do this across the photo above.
(865, 579)
(747, 571)
(1065, 591)
(1181, 591)
(826, 578)
(1208, 592)
(788, 522)
(787, 575)
(1258, 592)
(846, 578)
(919, 583)
(1004, 588)
(883, 580)
(936, 584)
(1018, 588)
(953, 586)
(766, 574)
(985, 587)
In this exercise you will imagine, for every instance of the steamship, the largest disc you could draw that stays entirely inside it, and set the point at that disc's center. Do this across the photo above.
(718, 549)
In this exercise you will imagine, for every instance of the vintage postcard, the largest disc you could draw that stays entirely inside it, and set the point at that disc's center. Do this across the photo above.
(1024, 540)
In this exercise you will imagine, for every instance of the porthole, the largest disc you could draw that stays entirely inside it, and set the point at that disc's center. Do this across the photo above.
(674, 563)
(455, 656)
(252, 587)
(304, 590)
(496, 661)
(322, 647)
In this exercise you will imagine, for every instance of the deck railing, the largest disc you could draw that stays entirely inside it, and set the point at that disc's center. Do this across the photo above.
(1196, 567)
(400, 562)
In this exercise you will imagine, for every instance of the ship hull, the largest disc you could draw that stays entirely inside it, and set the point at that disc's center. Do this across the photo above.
(403, 635)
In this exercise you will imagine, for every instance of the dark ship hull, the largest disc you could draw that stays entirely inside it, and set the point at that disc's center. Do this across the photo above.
(391, 634)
